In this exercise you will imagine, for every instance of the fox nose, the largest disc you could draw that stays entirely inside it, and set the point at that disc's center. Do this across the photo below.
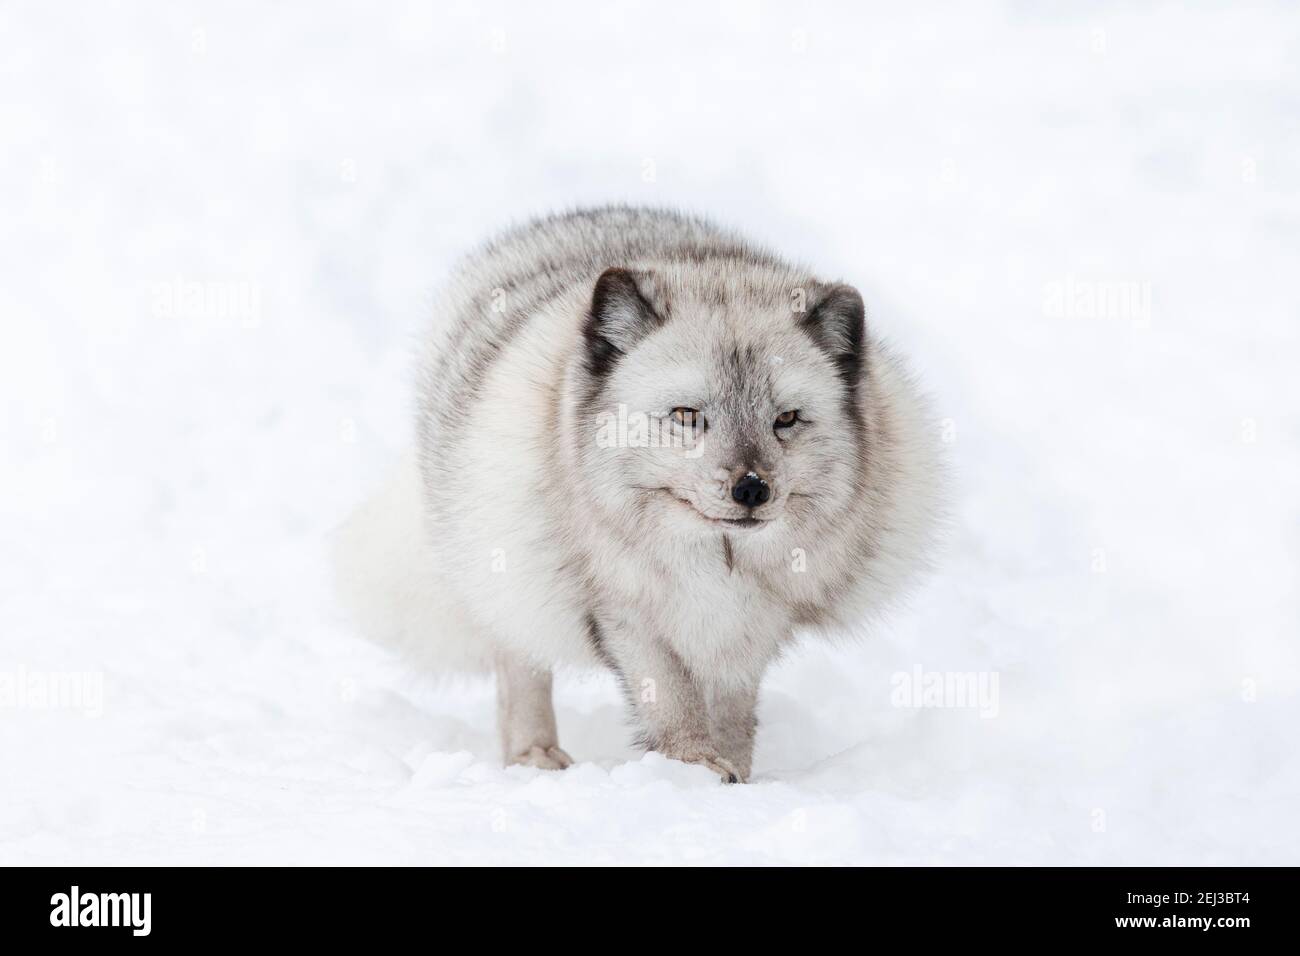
(751, 491)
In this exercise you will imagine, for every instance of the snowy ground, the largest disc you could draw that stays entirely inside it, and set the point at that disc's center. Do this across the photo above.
(1126, 551)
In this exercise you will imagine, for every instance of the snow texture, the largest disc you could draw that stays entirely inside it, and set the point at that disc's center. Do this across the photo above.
(220, 227)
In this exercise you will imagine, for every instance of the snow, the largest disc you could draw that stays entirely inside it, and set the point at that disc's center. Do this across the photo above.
(1125, 542)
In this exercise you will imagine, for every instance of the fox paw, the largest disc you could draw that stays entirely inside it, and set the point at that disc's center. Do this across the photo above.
(543, 758)
(720, 765)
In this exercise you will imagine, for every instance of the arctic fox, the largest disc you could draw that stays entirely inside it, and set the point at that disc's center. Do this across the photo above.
(647, 445)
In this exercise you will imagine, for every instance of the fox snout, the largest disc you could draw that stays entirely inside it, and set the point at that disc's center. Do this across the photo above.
(750, 490)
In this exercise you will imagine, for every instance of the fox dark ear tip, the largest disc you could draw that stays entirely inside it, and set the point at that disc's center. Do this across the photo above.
(837, 305)
(837, 322)
(612, 285)
(616, 279)
(844, 297)
(620, 315)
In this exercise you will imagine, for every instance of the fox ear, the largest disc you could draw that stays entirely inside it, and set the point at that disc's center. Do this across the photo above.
(837, 322)
(620, 316)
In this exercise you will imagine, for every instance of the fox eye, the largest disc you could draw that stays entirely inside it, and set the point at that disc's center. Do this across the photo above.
(786, 419)
(690, 417)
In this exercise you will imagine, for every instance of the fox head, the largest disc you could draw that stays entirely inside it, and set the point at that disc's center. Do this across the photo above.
(722, 399)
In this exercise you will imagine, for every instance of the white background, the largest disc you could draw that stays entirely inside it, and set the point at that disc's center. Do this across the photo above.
(1125, 546)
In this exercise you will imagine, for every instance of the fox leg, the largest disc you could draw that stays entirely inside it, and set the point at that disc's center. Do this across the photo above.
(732, 724)
(668, 703)
(526, 716)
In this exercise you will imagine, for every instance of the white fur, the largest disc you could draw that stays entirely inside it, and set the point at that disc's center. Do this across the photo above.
(520, 535)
